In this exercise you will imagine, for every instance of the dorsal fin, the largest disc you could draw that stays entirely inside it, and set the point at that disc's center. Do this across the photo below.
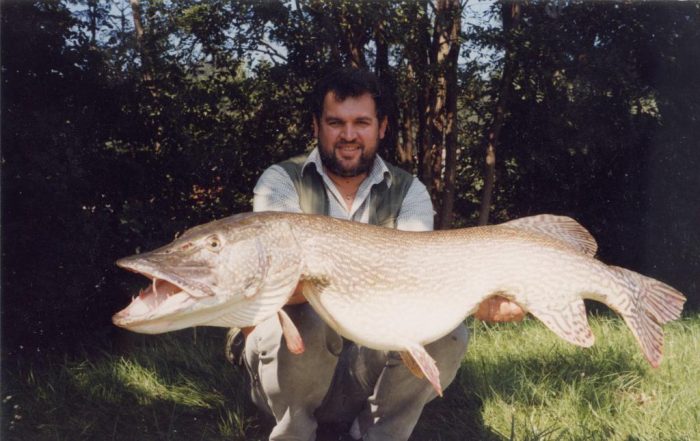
(561, 228)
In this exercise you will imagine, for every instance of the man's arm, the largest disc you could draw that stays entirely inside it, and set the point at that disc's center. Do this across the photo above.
(499, 309)
(275, 191)
(416, 212)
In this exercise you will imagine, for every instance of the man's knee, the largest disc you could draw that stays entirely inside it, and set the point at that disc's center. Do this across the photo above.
(449, 351)
(289, 384)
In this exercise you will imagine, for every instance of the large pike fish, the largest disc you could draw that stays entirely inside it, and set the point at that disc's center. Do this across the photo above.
(388, 289)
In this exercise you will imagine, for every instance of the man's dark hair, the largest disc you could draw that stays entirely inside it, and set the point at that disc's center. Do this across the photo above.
(350, 82)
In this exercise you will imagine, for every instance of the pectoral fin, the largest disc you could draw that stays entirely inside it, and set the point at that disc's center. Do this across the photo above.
(421, 364)
(313, 289)
(295, 344)
(568, 321)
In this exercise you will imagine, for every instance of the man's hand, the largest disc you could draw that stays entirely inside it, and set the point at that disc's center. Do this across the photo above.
(499, 309)
(298, 296)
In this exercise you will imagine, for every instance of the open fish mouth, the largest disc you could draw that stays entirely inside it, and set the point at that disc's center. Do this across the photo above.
(158, 304)
(157, 300)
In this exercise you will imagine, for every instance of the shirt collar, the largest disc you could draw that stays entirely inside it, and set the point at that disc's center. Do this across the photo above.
(379, 172)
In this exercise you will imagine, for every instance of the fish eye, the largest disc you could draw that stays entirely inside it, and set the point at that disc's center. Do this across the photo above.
(213, 243)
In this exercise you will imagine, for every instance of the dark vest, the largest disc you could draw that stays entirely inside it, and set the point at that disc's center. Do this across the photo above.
(385, 202)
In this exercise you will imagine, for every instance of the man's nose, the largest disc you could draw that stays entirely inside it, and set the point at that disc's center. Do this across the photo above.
(348, 133)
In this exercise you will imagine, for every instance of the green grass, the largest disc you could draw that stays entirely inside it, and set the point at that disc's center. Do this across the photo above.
(176, 386)
(518, 382)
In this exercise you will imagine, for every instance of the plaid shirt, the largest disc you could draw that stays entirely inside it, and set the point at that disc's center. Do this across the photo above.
(275, 191)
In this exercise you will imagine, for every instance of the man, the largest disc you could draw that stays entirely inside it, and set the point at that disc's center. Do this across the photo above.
(335, 380)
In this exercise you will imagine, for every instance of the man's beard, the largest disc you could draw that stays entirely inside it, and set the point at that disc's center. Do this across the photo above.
(333, 164)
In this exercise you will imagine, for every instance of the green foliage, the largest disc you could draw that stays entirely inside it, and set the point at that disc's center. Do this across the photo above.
(589, 132)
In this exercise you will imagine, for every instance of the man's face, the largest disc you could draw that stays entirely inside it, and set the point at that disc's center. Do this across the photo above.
(348, 134)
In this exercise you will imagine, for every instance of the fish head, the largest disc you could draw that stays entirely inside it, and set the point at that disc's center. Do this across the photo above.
(231, 272)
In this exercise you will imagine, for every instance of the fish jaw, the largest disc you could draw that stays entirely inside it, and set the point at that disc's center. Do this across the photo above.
(179, 296)
(167, 304)
(150, 265)
(146, 316)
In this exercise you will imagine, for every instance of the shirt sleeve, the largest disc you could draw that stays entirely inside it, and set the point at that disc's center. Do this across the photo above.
(416, 212)
(275, 191)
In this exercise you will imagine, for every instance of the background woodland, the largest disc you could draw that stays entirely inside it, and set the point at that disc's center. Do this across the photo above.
(126, 122)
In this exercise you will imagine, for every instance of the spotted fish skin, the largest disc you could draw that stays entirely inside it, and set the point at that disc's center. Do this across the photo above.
(388, 289)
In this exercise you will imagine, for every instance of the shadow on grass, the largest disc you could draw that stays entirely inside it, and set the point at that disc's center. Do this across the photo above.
(454, 417)
(187, 371)
(527, 379)
(552, 369)
(171, 387)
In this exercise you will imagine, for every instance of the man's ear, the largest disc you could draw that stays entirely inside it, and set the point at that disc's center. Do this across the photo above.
(382, 127)
(315, 126)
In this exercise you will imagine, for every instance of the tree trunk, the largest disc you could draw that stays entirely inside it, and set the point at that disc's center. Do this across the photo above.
(138, 24)
(382, 57)
(139, 33)
(352, 36)
(452, 32)
(413, 70)
(147, 76)
(92, 17)
(510, 14)
(421, 61)
(442, 110)
(431, 160)
(407, 146)
(388, 147)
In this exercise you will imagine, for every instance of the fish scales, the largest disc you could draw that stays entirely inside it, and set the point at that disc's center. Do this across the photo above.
(388, 289)
(443, 289)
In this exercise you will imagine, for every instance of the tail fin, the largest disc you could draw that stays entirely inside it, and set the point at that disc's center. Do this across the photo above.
(650, 304)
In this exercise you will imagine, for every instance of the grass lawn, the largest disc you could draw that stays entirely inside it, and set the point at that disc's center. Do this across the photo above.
(518, 382)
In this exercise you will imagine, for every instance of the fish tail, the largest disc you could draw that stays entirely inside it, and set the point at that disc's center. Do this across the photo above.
(646, 305)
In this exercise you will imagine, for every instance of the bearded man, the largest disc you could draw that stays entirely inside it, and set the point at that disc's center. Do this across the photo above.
(371, 394)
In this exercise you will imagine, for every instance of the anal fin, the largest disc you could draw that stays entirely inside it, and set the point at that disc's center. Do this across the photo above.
(421, 364)
(568, 321)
